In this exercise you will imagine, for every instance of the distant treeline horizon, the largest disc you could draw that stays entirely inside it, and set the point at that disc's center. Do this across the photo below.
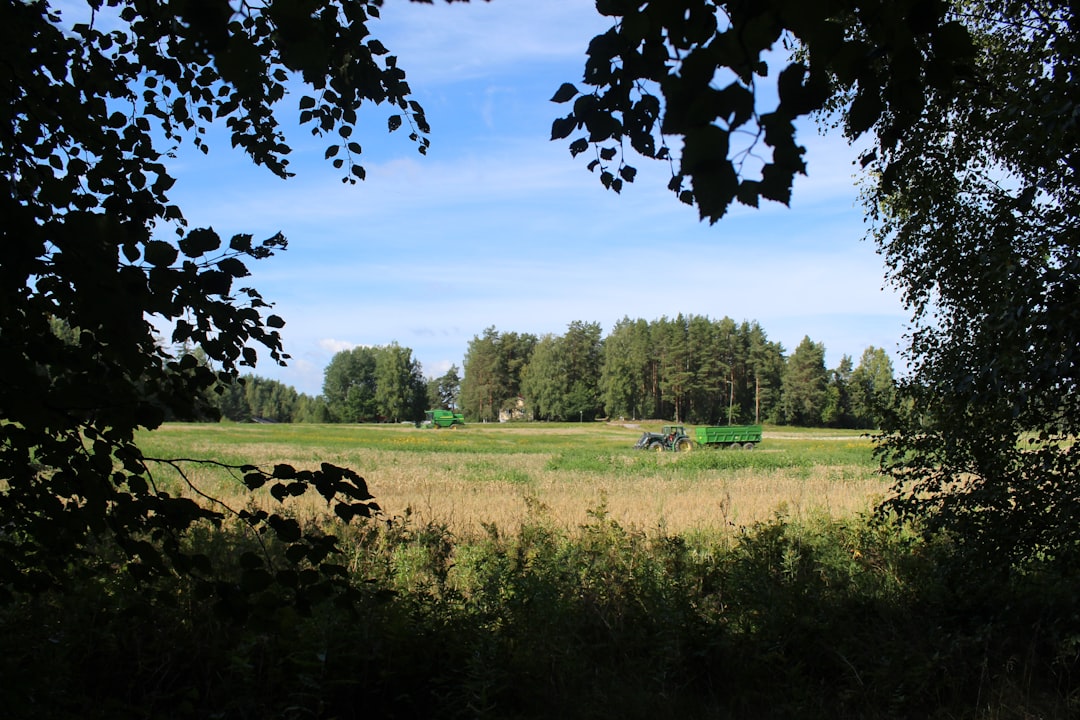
(690, 368)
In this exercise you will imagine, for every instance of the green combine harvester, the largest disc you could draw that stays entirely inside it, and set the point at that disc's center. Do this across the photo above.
(434, 419)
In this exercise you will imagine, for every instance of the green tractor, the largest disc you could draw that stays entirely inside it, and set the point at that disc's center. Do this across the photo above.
(442, 419)
(671, 437)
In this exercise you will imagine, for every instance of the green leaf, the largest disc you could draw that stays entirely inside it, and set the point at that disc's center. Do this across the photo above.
(865, 111)
(748, 193)
(705, 150)
(254, 480)
(952, 40)
(255, 580)
(776, 184)
(562, 127)
(233, 267)
(250, 561)
(565, 93)
(286, 529)
(199, 242)
(287, 578)
(284, 472)
(160, 254)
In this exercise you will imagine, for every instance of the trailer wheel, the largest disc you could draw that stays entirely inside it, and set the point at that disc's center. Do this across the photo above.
(748, 446)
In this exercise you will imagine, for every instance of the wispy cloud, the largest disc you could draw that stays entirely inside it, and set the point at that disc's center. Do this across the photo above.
(335, 346)
(498, 226)
(446, 44)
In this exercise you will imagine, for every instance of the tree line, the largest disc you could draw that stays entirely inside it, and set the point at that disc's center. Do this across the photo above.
(690, 368)
(363, 384)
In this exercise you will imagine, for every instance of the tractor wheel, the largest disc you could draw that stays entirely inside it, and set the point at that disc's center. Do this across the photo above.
(657, 447)
(684, 445)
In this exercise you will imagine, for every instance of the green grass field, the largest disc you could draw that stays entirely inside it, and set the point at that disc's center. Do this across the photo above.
(502, 474)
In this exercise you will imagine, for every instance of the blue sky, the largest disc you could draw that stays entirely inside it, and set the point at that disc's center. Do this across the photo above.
(497, 225)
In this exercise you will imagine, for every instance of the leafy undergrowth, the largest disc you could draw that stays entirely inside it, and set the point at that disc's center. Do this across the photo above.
(825, 619)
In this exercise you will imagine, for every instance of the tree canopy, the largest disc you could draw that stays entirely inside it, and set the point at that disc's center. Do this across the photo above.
(977, 214)
(690, 368)
(94, 103)
(374, 383)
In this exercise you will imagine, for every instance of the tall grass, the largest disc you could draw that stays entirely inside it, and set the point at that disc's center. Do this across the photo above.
(492, 474)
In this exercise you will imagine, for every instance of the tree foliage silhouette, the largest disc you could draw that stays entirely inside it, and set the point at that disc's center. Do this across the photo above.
(91, 244)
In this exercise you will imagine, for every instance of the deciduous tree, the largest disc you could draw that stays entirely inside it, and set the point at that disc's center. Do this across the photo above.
(93, 103)
(978, 217)
(627, 371)
(400, 391)
(872, 388)
(562, 379)
(349, 385)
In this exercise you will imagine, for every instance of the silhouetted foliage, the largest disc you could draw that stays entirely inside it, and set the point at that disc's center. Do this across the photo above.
(93, 102)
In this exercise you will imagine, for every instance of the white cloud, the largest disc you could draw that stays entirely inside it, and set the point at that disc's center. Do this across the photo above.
(335, 346)
(448, 43)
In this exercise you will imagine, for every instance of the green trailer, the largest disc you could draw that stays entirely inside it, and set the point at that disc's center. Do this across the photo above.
(732, 436)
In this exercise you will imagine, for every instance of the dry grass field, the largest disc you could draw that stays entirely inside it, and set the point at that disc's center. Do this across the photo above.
(506, 474)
